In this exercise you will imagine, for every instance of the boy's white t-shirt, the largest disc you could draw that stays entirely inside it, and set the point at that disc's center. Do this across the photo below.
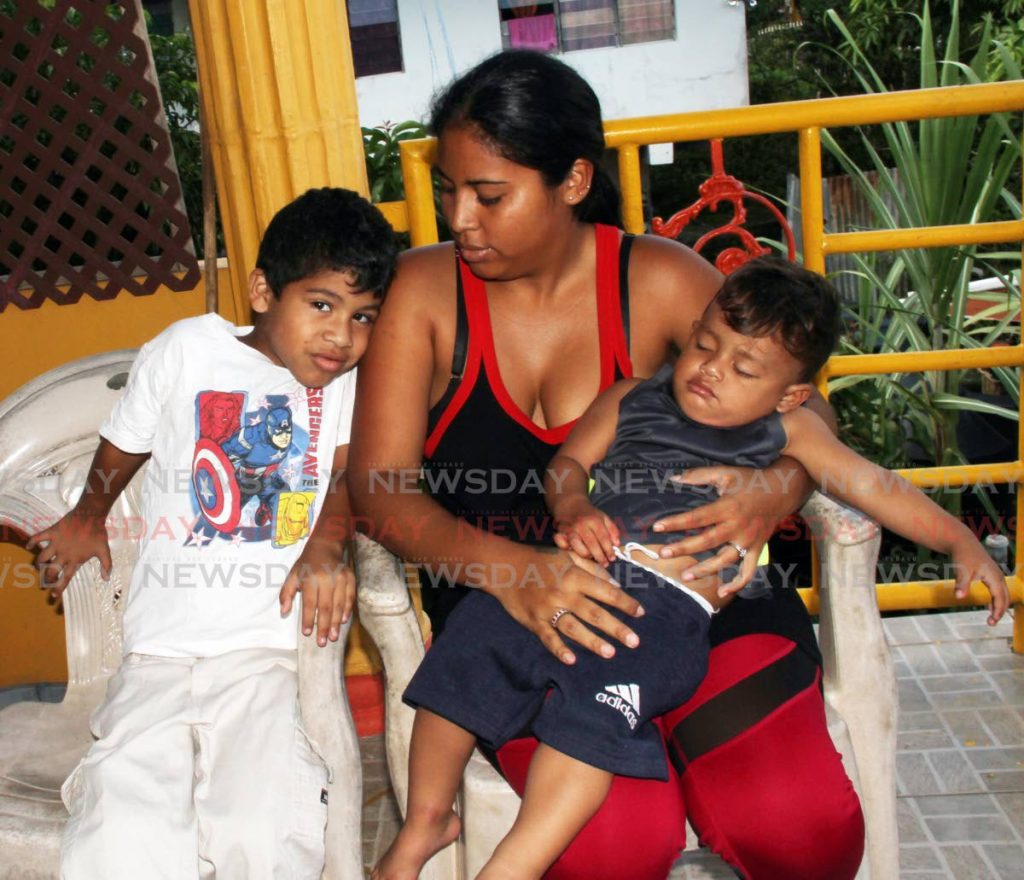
(241, 463)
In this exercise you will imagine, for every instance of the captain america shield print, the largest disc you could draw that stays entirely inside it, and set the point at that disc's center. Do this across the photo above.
(252, 478)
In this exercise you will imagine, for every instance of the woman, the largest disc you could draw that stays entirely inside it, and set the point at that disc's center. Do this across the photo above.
(486, 351)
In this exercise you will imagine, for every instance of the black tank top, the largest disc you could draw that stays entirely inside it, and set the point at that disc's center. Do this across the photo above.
(484, 459)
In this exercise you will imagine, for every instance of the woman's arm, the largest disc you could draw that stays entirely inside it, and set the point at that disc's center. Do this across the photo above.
(669, 288)
(750, 506)
(396, 380)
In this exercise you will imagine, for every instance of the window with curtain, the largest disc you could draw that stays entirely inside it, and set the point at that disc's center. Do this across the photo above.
(373, 31)
(645, 21)
(588, 24)
(527, 25)
(568, 25)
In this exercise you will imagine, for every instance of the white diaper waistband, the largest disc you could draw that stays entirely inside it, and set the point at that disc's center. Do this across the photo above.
(623, 554)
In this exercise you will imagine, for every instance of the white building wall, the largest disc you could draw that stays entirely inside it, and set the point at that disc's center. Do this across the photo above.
(705, 67)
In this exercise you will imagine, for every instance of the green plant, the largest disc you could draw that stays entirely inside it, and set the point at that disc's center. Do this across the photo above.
(383, 166)
(175, 61)
(796, 55)
(935, 172)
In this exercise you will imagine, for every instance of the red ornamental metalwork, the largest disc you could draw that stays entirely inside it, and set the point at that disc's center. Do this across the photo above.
(718, 188)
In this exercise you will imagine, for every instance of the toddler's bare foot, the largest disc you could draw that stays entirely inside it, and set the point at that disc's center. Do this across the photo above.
(418, 840)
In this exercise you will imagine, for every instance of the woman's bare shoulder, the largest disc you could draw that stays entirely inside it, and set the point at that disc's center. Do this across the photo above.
(659, 263)
(426, 266)
(428, 255)
(669, 288)
(418, 320)
(424, 279)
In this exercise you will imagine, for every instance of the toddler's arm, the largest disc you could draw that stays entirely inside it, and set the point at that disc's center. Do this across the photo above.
(81, 534)
(321, 573)
(893, 502)
(582, 528)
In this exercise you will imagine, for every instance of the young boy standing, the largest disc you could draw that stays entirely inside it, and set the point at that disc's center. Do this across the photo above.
(201, 766)
(734, 397)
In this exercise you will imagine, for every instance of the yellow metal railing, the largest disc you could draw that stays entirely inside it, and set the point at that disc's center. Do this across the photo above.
(396, 213)
(807, 119)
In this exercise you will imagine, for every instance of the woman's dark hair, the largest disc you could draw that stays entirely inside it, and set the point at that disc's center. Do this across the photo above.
(770, 297)
(538, 112)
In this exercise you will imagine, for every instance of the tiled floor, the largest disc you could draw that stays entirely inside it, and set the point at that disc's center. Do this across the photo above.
(960, 763)
(380, 811)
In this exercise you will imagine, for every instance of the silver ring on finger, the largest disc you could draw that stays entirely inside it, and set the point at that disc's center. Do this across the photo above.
(741, 550)
(557, 616)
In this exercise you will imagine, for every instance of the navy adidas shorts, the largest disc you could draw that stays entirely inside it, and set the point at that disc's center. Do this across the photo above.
(493, 677)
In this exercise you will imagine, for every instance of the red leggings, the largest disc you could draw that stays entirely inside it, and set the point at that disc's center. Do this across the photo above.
(753, 767)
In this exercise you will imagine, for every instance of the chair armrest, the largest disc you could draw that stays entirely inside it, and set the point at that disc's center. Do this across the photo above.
(327, 719)
(852, 641)
(387, 614)
(831, 520)
(859, 680)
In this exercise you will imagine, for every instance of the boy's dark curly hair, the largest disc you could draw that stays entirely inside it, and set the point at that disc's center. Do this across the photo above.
(770, 297)
(328, 229)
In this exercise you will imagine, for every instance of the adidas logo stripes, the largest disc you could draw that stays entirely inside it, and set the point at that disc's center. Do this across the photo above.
(624, 698)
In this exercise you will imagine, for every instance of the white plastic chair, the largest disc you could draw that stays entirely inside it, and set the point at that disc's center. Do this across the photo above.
(860, 692)
(47, 440)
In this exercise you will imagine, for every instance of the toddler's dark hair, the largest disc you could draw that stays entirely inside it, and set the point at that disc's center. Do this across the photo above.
(328, 229)
(770, 297)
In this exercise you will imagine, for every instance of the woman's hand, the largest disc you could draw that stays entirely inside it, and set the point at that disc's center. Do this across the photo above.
(575, 590)
(750, 505)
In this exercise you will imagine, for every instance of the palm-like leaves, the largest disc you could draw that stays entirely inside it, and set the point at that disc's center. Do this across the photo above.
(935, 172)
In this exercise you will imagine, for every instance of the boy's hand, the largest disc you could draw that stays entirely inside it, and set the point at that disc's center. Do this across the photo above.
(328, 589)
(971, 563)
(586, 531)
(67, 545)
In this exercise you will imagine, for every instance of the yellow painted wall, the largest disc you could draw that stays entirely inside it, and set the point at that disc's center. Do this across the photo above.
(37, 340)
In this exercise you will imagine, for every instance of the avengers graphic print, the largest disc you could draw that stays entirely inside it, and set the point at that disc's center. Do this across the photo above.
(254, 469)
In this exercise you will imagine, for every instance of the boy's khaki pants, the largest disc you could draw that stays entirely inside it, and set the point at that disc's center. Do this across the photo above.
(200, 768)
